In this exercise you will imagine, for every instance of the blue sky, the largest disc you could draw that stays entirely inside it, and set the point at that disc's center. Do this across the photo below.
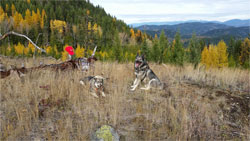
(136, 11)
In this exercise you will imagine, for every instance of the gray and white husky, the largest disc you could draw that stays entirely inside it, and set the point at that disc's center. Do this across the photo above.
(143, 74)
(96, 84)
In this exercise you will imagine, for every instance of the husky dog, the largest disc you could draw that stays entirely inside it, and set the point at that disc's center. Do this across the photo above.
(143, 72)
(96, 84)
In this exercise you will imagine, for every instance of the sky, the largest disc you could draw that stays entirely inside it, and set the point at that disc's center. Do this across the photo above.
(138, 11)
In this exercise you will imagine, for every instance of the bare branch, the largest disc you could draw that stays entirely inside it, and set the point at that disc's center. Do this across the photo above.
(21, 35)
(93, 54)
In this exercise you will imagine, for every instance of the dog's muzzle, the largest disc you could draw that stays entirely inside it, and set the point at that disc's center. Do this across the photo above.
(137, 64)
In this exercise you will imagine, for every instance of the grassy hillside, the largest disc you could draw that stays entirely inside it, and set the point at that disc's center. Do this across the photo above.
(197, 104)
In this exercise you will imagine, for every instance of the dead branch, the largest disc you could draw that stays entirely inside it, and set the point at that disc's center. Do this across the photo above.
(21, 35)
(93, 54)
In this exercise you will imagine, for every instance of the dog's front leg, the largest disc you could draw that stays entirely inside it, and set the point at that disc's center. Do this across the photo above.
(137, 82)
(103, 94)
(94, 94)
(134, 83)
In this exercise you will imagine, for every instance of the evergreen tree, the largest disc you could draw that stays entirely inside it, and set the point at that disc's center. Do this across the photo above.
(231, 46)
(155, 50)
(231, 62)
(163, 44)
(194, 50)
(177, 56)
(145, 50)
(245, 54)
(117, 50)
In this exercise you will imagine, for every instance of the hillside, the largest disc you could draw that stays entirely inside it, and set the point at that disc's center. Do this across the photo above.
(238, 32)
(237, 23)
(60, 22)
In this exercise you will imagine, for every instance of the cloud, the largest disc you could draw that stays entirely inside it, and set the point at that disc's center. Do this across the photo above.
(132, 11)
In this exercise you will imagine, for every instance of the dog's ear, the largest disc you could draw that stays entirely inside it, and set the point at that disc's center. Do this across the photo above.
(143, 56)
(137, 54)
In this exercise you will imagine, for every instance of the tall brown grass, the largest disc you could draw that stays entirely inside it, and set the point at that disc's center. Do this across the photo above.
(54, 106)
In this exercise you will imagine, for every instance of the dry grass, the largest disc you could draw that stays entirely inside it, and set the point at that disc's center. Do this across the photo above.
(197, 105)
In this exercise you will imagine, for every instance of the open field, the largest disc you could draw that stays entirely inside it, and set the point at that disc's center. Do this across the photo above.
(196, 105)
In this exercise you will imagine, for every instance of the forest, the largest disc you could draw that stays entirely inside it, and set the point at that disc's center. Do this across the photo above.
(53, 25)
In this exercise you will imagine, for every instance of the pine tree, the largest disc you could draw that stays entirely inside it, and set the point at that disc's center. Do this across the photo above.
(145, 50)
(231, 46)
(117, 50)
(178, 51)
(155, 50)
(231, 62)
(163, 45)
(194, 50)
(245, 54)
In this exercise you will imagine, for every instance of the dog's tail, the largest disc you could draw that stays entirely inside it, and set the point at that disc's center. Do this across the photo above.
(82, 82)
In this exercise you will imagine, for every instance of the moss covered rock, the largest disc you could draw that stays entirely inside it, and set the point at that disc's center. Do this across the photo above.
(105, 133)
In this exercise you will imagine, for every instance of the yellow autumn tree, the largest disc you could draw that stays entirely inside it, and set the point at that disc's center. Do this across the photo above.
(222, 54)
(204, 56)
(48, 49)
(100, 31)
(87, 12)
(89, 26)
(58, 25)
(28, 17)
(132, 32)
(156, 37)
(38, 15)
(18, 20)
(210, 56)
(35, 19)
(65, 54)
(43, 16)
(95, 28)
(79, 51)
(13, 9)
(19, 48)
(3, 15)
(31, 47)
(213, 56)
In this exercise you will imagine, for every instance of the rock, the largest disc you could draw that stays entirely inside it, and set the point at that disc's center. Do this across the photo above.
(105, 133)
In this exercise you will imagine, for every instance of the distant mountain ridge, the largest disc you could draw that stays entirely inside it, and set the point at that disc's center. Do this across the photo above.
(233, 22)
(207, 30)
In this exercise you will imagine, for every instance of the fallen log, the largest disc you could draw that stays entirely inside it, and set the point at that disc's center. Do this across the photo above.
(79, 63)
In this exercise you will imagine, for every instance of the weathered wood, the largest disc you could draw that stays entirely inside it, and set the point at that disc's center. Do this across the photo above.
(21, 35)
